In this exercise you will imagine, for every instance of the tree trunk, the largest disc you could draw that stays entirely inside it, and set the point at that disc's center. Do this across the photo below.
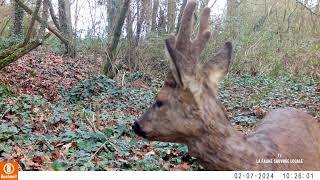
(171, 15)
(76, 19)
(18, 15)
(231, 8)
(129, 23)
(231, 14)
(140, 17)
(32, 22)
(5, 53)
(21, 51)
(65, 25)
(18, 53)
(162, 22)
(45, 16)
(155, 9)
(129, 30)
(204, 3)
(147, 5)
(109, 68)
(56, 33)
(184, 2)
(53, 16)
(5, 24)
(111, 12)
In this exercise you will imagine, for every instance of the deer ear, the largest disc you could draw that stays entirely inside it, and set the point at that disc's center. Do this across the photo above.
(218, 66)
(174, 58)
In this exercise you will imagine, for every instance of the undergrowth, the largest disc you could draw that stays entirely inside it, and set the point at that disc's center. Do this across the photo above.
(90, 127)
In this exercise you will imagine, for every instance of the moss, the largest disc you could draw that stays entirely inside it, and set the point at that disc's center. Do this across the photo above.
(18, 53)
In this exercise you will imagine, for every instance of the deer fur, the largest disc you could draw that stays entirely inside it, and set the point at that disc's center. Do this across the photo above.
(187, 111)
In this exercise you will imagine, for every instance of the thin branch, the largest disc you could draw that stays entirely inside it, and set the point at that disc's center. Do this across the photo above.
(17, 53)
(289, 18)
(55, 32)
(44, 15)
(53, 16)
(310, 10)
(5, 113)
(4, 26)
(32, 22)
(213, 4)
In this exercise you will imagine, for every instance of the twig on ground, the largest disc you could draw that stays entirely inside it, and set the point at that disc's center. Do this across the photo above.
(5, 113)
(122, 81)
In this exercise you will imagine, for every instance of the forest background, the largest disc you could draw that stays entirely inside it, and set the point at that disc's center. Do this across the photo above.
(75, 74)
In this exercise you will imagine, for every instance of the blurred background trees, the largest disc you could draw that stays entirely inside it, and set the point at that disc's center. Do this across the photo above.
(270, 36)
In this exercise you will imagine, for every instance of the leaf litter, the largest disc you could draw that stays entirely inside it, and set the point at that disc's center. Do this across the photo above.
(63, 115)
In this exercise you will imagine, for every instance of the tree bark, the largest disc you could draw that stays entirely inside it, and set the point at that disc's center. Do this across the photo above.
(108, 68)
(5, 24)
(111, 12)
(171, 15)
(129, 23)
(231, 14)
(18, 16)
(204, 3)
(155, 9)
(45, 16)
(29, 11)
(140, 17)
(147, 15)
(53, 16)
(17, 53)
(5, 53)
(65, 25)
(130, 48)
(32, 22)
(184, 2)
(162, 22)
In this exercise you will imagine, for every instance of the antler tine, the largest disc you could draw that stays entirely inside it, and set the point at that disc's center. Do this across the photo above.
(203, 35)
(185, 30)
(184, 53)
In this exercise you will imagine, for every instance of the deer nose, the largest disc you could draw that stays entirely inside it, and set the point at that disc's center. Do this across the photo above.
(137, 129)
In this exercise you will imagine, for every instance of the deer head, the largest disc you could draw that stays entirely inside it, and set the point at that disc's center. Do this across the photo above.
(179, 112)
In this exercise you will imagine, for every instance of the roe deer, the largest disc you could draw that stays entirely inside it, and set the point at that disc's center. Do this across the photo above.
(187, 111)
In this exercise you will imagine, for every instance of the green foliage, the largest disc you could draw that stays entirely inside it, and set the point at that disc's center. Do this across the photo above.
(95, 86)
(54, 45)
(57, 135)
(150, 56)
(7, 131)
(6, 42)
(243, 94)
(5, 91)
(135, 76)
(91, 44)
(100, 87)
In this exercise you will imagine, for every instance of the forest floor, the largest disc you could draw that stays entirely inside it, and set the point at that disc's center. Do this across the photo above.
(60, 114)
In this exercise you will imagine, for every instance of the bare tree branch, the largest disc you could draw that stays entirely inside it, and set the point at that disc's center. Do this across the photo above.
(33, 20)
(52, 30)
(45, 16)
(307, 8)
(53, 16)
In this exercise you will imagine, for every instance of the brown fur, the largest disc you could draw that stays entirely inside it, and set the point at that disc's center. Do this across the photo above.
(187, 111)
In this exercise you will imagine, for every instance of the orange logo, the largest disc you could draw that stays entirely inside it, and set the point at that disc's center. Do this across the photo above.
(9, 171)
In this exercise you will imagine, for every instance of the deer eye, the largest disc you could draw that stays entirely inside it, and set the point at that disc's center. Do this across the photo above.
(171, 84)
(158, 104)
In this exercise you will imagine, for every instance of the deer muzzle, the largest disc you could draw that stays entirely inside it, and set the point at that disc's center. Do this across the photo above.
(137, 129)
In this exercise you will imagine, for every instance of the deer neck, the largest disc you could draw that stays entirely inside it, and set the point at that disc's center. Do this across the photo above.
(220, 147)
